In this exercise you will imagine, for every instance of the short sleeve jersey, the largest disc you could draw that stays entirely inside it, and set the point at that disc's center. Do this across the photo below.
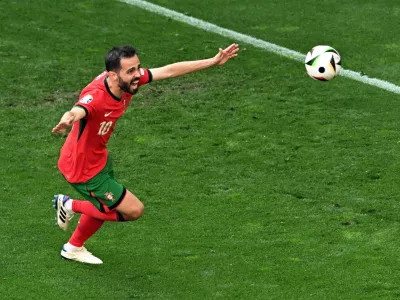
(84, 153)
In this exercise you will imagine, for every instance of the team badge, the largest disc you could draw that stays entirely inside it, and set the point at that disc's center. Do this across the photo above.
(109, 196)
(86, 99)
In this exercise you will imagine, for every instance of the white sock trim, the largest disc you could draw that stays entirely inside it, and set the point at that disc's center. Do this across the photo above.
(68, 205)
(69, 247)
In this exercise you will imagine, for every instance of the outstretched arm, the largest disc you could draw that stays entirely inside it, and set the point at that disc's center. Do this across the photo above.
(68, 119)
(185, 67)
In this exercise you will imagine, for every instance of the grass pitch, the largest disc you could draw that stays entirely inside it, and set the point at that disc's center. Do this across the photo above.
(258, 182)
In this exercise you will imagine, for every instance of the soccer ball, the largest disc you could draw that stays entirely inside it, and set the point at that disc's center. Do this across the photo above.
(323, 63)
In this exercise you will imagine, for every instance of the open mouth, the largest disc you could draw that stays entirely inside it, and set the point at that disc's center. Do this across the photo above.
(135, 82)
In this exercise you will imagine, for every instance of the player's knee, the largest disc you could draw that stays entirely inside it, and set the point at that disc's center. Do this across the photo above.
(138, 211)
(135, 212)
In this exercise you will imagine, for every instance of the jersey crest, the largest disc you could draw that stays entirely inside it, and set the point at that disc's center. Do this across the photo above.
(109, 196)
(86, 99)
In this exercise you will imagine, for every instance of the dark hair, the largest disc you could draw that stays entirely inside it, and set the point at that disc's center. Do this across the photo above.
(114, 56)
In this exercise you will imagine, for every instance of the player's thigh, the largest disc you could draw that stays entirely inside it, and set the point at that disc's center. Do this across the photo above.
(130, 207)
(103, 191)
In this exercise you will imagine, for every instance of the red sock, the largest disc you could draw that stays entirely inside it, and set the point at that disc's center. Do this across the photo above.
(87, 226)
(87, 208)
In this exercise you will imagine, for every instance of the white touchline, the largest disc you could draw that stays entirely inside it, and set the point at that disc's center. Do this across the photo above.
(255, 42)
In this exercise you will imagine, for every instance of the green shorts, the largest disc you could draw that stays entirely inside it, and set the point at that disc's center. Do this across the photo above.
(102, 190)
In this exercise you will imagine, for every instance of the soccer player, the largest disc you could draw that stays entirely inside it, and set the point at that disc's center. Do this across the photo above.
(84, 159)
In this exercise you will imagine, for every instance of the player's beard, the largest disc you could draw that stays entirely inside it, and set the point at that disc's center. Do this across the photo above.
(126, 85)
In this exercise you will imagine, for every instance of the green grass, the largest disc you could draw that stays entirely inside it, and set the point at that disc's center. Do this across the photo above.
(258, 182)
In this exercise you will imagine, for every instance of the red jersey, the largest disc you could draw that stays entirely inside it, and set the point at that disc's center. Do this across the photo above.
(84, 153)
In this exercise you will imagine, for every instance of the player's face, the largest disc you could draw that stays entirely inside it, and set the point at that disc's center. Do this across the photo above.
(129, 75)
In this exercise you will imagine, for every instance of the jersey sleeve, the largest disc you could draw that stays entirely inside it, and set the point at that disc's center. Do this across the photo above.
(88, 101)
(145, 76)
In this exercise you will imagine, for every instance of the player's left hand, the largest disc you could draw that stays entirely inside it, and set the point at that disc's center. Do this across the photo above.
(225, 54)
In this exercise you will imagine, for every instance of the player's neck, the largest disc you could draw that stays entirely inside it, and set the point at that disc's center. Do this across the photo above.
(114, 88)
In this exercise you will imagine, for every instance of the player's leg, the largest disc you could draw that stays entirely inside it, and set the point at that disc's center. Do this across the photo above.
(112, 200)
(66, 209)
(131, 208)
(87, 226)
(74, 249)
